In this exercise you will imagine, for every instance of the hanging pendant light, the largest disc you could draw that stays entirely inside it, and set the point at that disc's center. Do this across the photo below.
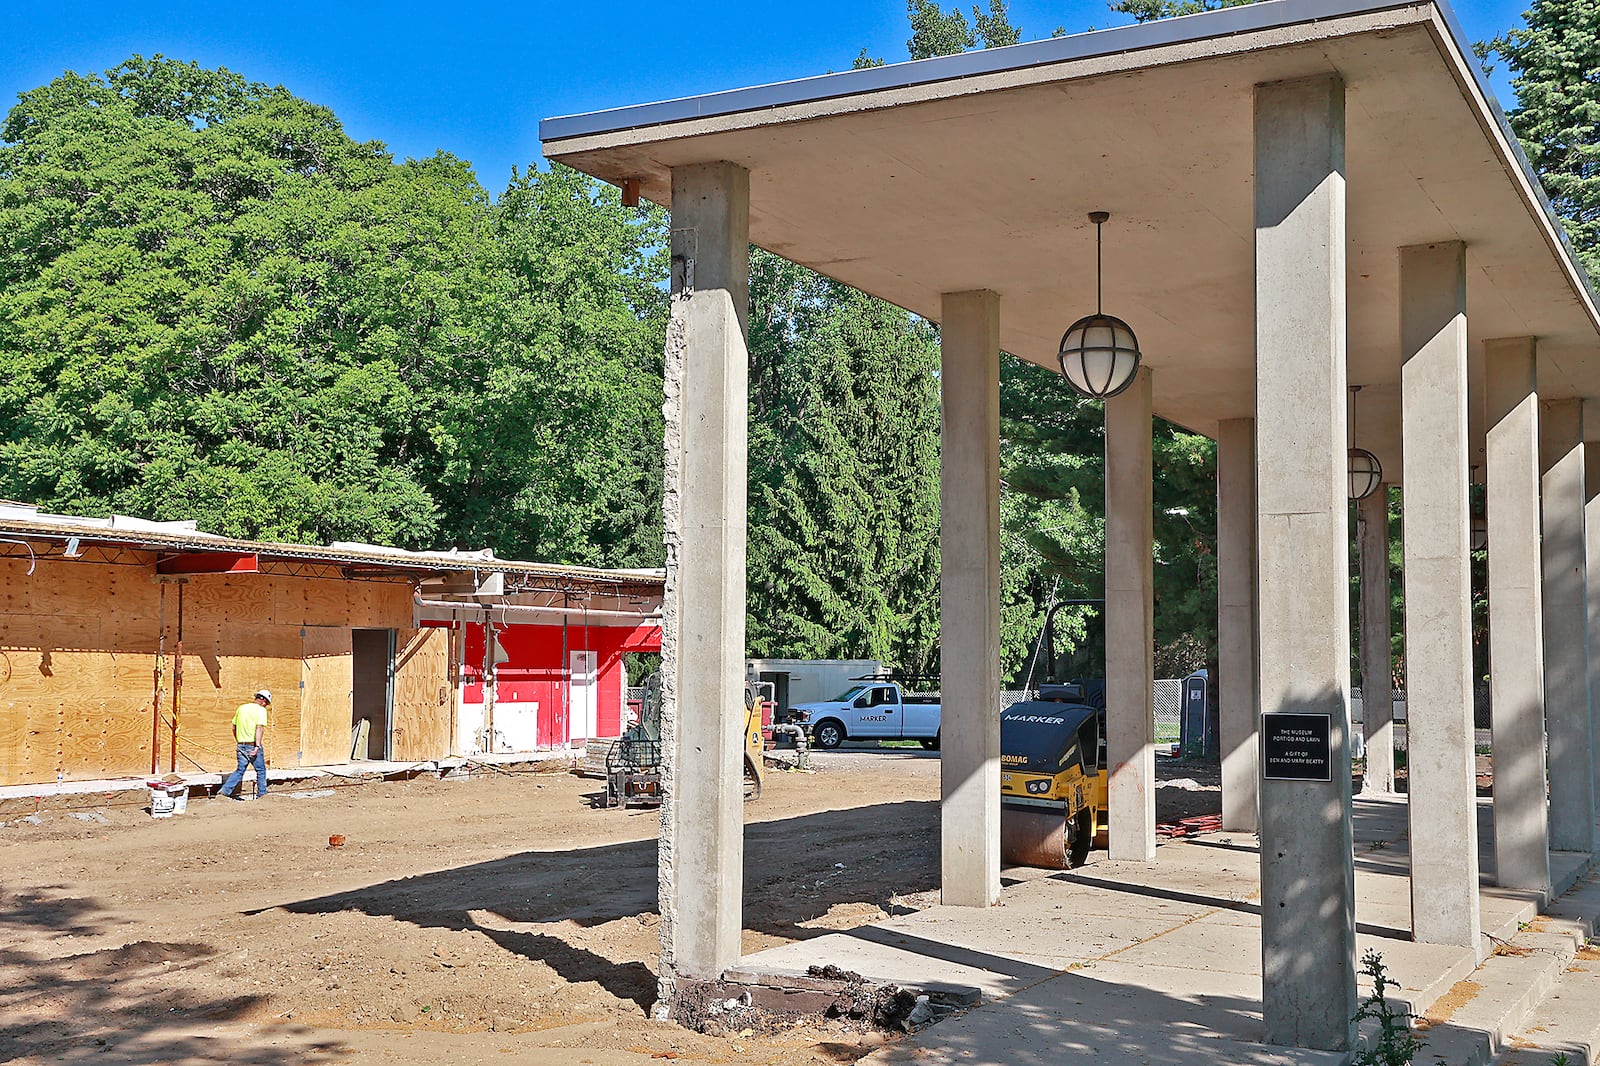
(1366, 473)
(1099, 354)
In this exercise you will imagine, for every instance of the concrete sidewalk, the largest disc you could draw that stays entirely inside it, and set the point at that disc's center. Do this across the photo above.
(123, 791)
(1161, 962)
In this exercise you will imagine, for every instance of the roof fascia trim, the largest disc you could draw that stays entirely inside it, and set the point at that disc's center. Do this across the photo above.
(1450, 38)
(1187, 29)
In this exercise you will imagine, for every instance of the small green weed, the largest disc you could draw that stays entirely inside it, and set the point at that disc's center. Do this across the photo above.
(1396, 1044)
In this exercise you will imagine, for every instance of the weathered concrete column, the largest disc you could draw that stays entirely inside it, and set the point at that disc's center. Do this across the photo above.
(1591, 537)
(701, 865)
(1130, 625)
(1377, 671)
(969, 598)
(1438, 588)
(1307, 873)
(1566, 626)
(1236, 621)
(1516, 642)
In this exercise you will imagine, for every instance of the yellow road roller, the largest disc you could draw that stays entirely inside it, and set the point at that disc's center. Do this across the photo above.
(1052, 783)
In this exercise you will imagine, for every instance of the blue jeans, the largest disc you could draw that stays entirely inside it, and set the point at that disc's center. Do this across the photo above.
(258, 760)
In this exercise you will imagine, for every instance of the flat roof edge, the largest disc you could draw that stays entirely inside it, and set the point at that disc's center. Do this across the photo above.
(397, 560)
(1488, 107)
(1226, 22)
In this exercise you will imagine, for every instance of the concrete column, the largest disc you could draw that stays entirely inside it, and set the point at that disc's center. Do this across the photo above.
(1307, 872)
(1438, 589)
(1591, 537)
(701, 866)
(969, 598)
(1130, 625)
(1516, 642)
(1236, 621)
(1566, 626)
(1377, 673)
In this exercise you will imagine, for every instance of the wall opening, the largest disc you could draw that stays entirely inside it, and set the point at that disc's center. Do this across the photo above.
(372, 689)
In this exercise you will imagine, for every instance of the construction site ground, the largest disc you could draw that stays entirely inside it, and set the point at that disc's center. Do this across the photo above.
(497, 917)
(461, 920)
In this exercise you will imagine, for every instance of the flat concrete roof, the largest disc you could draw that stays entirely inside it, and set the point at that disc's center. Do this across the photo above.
(978, 171)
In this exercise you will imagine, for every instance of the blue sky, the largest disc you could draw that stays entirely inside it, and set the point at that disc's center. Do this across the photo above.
(475, 79)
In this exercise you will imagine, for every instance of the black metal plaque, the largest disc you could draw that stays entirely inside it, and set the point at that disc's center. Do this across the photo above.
(1297, 747)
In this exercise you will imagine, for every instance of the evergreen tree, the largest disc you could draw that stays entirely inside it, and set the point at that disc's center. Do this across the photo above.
(843, 558)
(1555, 62)
(1149, 10)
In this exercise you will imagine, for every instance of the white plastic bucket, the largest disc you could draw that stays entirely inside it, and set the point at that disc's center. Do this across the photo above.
(167, 799)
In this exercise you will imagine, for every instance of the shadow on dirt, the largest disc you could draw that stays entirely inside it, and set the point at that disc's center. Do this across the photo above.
(796, 869)
(115, 1004)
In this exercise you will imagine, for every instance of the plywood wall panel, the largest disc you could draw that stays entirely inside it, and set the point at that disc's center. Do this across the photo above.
(376, 605)
(41, 751)
(78, 646)
(31, 718)
(315, 603)
(106, 727)
(246, 599)
(421, 729)
(325, 696)
(45, 634)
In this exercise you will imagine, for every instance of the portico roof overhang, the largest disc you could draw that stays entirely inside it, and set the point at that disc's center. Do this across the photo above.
(977, 171)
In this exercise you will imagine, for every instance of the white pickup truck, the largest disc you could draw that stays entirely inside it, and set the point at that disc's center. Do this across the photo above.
(871, 710)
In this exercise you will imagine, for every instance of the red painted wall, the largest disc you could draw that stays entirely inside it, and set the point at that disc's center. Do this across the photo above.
(537, 670)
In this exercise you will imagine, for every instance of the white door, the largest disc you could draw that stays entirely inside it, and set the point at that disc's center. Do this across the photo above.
(582, 684)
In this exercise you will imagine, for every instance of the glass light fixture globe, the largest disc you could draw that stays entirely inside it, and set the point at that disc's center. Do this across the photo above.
(1480, 533)
(1099, 356)
(1366, 473)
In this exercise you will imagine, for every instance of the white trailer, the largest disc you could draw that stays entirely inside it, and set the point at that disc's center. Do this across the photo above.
(809, 680)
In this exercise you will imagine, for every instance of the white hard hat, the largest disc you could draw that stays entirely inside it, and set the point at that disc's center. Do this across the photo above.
(263, 694)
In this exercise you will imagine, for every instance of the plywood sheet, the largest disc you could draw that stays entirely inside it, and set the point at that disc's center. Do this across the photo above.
(78, 647)
(310, 602)
(30, 722)
(325, 695)
(421, 729)
(379, 604)
(106, 734)
(245, 599)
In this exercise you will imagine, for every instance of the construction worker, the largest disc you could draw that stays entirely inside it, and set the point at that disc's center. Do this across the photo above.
(249, 732)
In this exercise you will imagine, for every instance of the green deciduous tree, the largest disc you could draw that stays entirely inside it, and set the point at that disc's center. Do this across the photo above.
(210, 303)
(551, 443)
(216, 305)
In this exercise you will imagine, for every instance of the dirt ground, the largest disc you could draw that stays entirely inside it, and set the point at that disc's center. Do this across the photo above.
(461, 920)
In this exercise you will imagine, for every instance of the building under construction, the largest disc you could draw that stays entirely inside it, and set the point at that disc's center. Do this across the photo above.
(125, 646)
